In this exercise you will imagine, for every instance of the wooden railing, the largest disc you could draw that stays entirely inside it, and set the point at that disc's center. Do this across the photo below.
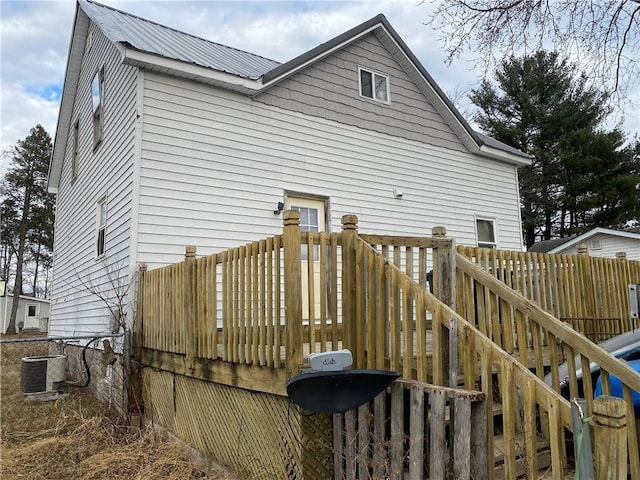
(244, 307)
(425, 328)
(402, 433)
(589, 293)
(224, 306)
(541, 342)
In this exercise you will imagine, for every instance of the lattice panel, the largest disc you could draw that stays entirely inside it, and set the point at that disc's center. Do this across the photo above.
(317, 441)
(254, 434)
(158, 394)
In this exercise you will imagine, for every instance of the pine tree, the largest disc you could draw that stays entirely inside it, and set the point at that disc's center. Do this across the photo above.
(542, 107)
(28, 207)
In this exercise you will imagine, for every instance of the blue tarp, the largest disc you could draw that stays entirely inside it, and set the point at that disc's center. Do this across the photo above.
(616, 386)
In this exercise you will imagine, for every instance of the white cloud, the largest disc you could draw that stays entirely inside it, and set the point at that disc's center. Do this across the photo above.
(22, 110)
(35, 39)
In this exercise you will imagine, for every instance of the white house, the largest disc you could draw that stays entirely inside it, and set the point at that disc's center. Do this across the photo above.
(166, 140)
(32, 312)
(600, 242)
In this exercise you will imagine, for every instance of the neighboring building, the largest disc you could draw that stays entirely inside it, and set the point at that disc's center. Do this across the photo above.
(545, 246)
(600, 242)
(166, 140)
(32, 312)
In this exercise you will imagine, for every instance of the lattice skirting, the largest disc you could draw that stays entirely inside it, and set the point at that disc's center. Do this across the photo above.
(254, 434)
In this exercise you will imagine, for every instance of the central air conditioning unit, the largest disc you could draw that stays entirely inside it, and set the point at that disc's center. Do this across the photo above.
(43, 375)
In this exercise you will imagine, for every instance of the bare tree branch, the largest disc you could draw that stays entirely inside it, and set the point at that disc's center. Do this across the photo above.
(111, 287)
(602, 36)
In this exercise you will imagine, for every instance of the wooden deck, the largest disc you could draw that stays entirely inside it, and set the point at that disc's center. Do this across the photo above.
(492, 323)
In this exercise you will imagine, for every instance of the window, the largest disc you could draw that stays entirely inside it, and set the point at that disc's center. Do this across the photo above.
(374, 85)
(74, 155)
(97, 101)
(89, 44)
(102, 227)
(32, 310)
(486, 233)
(309, 222)
(596, 244)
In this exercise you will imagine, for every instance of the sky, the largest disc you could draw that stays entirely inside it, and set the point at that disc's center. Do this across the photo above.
(35, 37)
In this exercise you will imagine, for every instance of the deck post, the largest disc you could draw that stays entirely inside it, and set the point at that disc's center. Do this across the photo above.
(610, 437)
(444, 275)
(190, 304)
(292, 292)
(133, 374)
(349, 326)
(138, 322)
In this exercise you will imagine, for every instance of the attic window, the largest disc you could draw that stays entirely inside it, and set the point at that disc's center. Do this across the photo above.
(97, 101)
(89, 43)
(374, 85)
(74, 154)
(596, 244)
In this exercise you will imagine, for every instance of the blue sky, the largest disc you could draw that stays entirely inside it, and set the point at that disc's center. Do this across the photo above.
(35, 41)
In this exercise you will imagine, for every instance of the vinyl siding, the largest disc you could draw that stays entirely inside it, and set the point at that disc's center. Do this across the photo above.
(214, 165)
(107, 171)
(611, 245)
(329, 89)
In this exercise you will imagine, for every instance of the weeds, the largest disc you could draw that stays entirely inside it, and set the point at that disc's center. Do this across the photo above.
(77, 438)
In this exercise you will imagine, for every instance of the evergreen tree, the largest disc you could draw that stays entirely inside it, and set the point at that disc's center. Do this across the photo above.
(28, 207)
(601, 182)
(580, 176)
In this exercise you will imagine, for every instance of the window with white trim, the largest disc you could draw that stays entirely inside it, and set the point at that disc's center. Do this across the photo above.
(311, 220)
(97, 103)
(102, 227)
(74, 155)
(374, 85)
(486, 232)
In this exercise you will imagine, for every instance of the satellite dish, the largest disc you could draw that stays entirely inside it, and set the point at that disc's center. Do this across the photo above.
(336, 391)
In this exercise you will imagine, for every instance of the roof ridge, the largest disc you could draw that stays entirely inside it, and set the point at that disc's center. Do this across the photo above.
(176, 30)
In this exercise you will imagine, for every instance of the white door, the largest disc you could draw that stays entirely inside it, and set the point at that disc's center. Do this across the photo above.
(31, 319)
(312, 219)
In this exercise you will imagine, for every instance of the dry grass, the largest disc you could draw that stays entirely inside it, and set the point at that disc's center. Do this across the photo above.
(77, 438)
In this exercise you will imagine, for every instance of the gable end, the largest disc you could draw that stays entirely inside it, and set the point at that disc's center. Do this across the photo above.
(329, 88)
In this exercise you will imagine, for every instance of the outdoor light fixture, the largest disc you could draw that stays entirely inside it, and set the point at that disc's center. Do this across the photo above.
(279, 208)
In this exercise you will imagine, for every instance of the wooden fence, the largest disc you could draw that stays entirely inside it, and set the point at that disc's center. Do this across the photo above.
(589, 293)
(237, 317)
(402, 434)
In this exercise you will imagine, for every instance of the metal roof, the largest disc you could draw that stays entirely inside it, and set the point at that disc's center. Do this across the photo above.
(492, 142)
(138, 34)
(150, 37)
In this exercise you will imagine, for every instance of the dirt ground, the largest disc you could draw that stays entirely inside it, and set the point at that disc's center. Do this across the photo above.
(77, 437)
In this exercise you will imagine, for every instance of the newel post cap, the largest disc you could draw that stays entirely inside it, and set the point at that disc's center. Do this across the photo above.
(349, 222)
(439, 231)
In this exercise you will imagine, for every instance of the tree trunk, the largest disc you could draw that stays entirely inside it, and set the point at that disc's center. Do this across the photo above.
(35, 272)
(547, 225)
(7, 255)
(45, 293)
(17, 286)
